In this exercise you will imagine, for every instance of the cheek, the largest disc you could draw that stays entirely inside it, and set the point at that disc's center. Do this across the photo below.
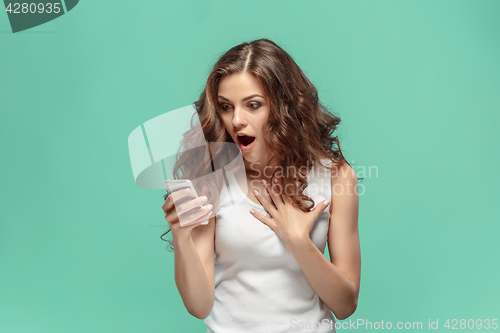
(263, 121)
(225, 125)
(262, 125)
(228, 135)
(224, 121)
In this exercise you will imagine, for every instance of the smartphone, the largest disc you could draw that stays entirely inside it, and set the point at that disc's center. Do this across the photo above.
(178, 184)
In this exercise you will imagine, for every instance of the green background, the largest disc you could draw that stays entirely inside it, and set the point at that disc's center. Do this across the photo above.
(416, 84)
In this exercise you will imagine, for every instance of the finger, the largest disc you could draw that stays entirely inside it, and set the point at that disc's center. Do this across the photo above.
(174, 196)
(287, 199)
(171, 201)
(274, 193)
(171, 217)
(277, 188)
(184, 207)
(205, 217)
(198, 216)
(264, 219)
(321, 207)
(266, 203)
(199, 213)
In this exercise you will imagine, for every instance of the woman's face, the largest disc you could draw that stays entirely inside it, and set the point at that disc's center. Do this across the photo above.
(244, 110)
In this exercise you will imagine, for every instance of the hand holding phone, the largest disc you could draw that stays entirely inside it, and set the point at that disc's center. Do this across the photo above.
(187, 204)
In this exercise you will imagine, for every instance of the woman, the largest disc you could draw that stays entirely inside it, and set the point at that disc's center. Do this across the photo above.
(269, 273)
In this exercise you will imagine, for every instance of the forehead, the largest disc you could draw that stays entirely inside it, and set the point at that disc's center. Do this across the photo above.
(240, 83)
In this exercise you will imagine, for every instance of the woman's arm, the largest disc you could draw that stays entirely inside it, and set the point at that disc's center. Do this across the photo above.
(336, 282)
(194, 269)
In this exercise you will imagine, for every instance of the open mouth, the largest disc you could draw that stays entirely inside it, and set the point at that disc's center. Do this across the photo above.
(246, 140)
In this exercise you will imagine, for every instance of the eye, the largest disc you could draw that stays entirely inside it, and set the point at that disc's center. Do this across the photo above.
(224, 107)
(254, 105)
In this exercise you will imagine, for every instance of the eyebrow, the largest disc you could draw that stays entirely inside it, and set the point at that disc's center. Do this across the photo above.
(244, 99)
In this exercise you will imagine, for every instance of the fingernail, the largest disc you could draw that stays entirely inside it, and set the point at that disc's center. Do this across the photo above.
(252, 211)
(209, 207)
(210, 214)
(327, 202)
(255, 192)
(203, 199)
(276, 180)
(187, 190)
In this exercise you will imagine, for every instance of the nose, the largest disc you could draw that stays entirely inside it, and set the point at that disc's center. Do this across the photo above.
(239, 118)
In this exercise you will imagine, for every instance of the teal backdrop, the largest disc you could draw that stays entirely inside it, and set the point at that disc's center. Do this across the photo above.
(416, 84)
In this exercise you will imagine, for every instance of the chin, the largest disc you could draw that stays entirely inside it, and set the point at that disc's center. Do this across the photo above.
(253, 158)
(249, 157)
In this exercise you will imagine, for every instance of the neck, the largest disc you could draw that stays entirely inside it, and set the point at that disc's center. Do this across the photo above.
(260, 170)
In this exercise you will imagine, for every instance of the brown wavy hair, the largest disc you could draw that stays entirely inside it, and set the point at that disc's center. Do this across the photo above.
(294, 108)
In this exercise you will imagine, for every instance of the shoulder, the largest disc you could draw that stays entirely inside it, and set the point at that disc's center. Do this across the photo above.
(343, 173)
(339, 173)
(344, 186)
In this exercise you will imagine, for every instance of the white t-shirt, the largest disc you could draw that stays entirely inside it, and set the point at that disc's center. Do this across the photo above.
(259, 286)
